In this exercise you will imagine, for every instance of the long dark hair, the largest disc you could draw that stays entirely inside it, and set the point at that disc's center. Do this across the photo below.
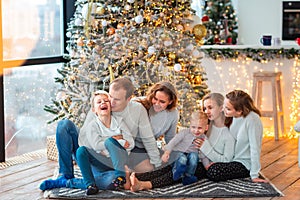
(241, 101)
(165, 87)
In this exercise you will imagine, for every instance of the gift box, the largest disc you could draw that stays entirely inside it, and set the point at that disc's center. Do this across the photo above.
(52, 153)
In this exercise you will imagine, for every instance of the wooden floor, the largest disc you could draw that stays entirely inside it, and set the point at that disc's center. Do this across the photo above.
(279, 164)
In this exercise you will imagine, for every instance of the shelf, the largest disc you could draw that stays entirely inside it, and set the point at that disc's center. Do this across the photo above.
(249, 46)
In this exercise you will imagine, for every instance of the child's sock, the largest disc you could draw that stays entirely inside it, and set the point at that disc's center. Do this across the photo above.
(56, 183)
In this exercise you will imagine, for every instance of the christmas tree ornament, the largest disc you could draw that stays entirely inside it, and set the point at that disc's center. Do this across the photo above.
(124, 41)
(110, 31)
(127, 7)
(151, 50)
(204, 19)
(120, 25)
(196, 54)
(168, 42)
(78, 22)
(139, 19)
(100, 10)
(90, 43)
(104, 23)
(199, 31)
(68, 34)
(80, 42)
(179, 27)
(146, 41)
(172, 56)
(177, 67)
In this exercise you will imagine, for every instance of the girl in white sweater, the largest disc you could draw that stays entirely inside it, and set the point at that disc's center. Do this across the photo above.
(219, 147)
(247, 129)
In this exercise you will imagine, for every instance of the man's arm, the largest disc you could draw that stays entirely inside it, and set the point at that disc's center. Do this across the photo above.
(147, 137)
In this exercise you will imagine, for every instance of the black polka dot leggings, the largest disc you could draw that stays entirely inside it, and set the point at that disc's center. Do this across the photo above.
(164, 176)
(226, 171)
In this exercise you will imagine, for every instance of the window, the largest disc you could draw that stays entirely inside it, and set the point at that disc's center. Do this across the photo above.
(26, 91)
(33, 42)
(31, 28)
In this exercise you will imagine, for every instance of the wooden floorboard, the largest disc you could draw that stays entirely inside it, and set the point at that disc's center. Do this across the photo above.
(279, 164)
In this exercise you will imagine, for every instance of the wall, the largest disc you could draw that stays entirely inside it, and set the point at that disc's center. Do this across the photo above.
(258, 17)
(226, 75)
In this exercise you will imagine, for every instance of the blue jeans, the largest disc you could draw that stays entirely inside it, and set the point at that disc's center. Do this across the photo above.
(67, 144)
(103, 179)
(190, 160)
(87, 158)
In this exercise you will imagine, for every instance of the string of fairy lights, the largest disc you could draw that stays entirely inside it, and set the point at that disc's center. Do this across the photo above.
(237, 73)
(148, 41)
(295, 99)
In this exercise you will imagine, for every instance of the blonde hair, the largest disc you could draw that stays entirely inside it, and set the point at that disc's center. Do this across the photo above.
(96, 93)
(219, 99)
(199, 116)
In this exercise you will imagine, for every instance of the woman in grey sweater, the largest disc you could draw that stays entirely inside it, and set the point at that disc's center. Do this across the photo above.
(160, 102)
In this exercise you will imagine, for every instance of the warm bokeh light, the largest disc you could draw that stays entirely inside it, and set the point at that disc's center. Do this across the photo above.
(226, 74)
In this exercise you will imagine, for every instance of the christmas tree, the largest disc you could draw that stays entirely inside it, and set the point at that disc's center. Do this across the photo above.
(147, 41)
(220, 21)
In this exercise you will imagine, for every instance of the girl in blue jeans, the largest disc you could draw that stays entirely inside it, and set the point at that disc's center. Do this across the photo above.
(103, 145)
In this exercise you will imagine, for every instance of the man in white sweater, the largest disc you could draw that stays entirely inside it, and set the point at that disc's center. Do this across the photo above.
(136, 118)
(132, 113)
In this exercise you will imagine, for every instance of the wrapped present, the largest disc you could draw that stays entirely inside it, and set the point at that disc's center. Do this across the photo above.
(52, 153)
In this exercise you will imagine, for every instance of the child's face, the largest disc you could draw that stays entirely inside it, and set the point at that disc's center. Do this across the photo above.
(198, 127)
(102, 105)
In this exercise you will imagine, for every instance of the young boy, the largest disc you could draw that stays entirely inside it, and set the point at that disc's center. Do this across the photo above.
(186, 152)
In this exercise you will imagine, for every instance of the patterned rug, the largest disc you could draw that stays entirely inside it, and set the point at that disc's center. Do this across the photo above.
(237, 188)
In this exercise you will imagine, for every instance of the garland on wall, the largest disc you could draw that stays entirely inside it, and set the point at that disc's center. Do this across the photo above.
(257, 54)
(263, 55)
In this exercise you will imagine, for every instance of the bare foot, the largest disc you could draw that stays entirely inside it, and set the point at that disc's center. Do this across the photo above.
(135, 183)
(127, 185)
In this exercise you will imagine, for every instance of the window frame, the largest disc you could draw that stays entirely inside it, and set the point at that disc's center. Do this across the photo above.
(68, 9)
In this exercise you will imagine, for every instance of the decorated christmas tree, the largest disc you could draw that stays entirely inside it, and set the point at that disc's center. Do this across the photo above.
(220, 20)
(147, 41)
